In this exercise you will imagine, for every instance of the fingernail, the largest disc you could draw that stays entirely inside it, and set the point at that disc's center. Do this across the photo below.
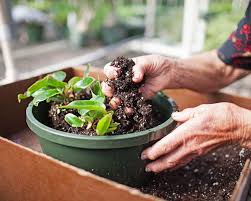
(115, 74)
(107, 87)
(147, 169)
(143, 157)
(175, 114)
(136, 76)
(107, 90)
(104, 85)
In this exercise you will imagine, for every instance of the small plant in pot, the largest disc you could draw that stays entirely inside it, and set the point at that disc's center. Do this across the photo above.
(77, 124)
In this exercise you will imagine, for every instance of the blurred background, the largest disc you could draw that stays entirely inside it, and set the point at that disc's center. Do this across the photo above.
(39, 36)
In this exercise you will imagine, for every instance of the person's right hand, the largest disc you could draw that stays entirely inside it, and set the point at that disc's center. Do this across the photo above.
(157, 71)
(201, 130)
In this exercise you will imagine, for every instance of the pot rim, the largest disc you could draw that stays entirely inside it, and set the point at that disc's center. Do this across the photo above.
(102, 142)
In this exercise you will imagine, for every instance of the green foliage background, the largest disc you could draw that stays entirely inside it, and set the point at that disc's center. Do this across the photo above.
(222, 20)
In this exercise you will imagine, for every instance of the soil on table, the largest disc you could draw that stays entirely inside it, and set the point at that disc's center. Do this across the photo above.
(211, 177)
(143, 114)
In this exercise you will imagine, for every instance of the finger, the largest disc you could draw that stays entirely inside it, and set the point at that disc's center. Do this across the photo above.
(189, 113)
(138, 70)
(184, 115)
(167, 144)
(178, 158)
(246, 144)
(107, 90)
(138, 73)
(147, 91)
(193, 145)
(110, 71)
(115, 102)
(192, 155)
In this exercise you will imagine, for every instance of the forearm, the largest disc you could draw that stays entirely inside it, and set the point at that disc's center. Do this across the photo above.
(205, 73)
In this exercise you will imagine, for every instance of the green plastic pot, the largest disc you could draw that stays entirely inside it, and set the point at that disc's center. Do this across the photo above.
(115, 157)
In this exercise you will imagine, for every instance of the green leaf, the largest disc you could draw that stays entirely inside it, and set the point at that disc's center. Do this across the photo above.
(45, 95)
(83, 112)
(109, 130)
(36, 86)
(73, 120)
(73, 81)
(42, 90)
(50, 81)
(114, 125)
(87, 118)
(98, 98)
(85, 104)
(84, 83)
(97, 89)
(45, 82)
(21, 97)
(57, 98)
(96, 114)
(59, 75)
(104, 124)
(39, 88)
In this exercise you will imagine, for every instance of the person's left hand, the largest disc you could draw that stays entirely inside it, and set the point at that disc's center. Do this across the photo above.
(201, 129)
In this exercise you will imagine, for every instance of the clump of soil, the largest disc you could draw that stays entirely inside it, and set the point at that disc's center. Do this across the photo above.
(134, 113)
(211, 177)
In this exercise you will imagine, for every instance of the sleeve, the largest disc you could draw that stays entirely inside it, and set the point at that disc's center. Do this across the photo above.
(236, 51)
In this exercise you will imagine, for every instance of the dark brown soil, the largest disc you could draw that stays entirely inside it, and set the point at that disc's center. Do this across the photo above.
(57, 116)
(212, 177)
(144, 114)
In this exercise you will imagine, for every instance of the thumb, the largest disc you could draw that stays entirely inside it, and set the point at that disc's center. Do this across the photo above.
(139, 69)
(184, 115)
(138, 73)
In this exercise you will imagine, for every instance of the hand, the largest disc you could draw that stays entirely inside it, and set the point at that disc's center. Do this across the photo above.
(156, 69)
(201, 130)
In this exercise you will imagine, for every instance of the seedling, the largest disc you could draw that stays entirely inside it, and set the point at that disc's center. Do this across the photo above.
(88, 114)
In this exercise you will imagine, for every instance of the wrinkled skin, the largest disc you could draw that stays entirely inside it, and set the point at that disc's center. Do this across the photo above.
(155, 67)
(201, 129)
